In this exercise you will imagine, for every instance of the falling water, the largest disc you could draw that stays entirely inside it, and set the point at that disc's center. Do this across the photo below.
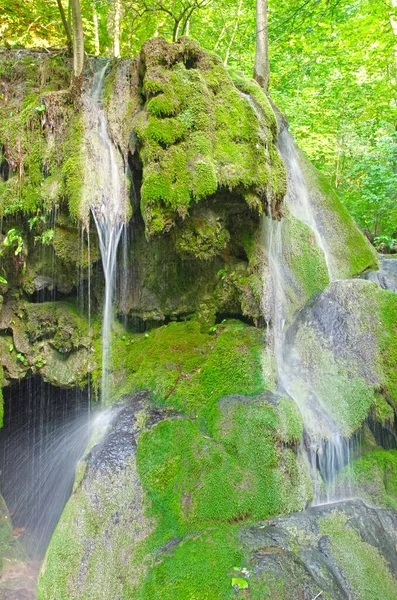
(327, 448)
(44, 435)
(108, 210)
(298, 197)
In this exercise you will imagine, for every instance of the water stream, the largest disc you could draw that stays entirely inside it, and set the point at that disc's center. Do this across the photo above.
(327, 449)
(108, 210)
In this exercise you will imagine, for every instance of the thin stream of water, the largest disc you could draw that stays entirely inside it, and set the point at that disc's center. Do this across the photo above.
(327, 449)
(109, 217)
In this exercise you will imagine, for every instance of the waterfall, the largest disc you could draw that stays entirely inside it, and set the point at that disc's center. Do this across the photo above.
(328, 450)
(298, 197)
(108, 210)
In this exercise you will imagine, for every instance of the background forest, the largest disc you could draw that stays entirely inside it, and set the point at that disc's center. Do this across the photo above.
(333, 72)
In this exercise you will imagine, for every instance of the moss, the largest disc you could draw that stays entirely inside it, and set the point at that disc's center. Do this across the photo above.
(202, 237)
(305, 268)
(188, 368)
(199, 566)
(352, 372)
(69, 247)
(374, 477)
(194, 140)
(348, 250)
(242, 472)
(33, 122)
(365, 569)
(73, 168)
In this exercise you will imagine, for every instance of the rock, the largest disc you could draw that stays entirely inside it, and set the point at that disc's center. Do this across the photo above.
(103, 523)
(386, 276)
(339, 551)
(339, 354)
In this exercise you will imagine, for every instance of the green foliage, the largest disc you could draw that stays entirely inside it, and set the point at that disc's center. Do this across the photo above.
(374, 477)
(13, 240)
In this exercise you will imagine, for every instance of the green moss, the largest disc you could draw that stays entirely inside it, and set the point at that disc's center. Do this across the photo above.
(348, 250)
(73, 167)
(194, 481)
(303, 260)
(199, 566)
(365, 569)
(32, 130)
(187, 368)
(374, 477)
(194, 140)
(336, 384)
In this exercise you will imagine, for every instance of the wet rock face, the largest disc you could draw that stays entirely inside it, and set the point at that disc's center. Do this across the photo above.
(341, 551)
(339, 352)
(104, 520)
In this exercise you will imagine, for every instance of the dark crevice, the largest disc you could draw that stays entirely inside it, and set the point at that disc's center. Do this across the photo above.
(385, 434)
(239, 317)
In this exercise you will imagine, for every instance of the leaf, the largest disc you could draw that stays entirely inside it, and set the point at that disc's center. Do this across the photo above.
(2, 280)
(242, 584)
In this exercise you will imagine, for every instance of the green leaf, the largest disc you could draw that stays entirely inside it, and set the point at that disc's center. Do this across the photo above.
(2, 280)
(242, 584)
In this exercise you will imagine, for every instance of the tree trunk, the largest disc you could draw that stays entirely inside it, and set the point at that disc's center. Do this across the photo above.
(116, 28)
(96, 28)
(65, 25)
(393, 23)
(261, 68)
(234, 33)
(78, 40)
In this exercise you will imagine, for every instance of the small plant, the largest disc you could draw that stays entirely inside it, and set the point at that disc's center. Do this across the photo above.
(11, 347)
(222, 273)
(46, 237)
(4, 281)
(22, 358)
(385, 242)
(41, 108)
(39, 362)
(13, 239)
(239, 583)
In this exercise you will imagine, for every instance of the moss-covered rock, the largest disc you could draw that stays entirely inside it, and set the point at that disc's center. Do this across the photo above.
(48, 338)
(174, 503)
(373, 477)
(194, 140)
(341, 352)
(311, 199)
(188, 368)
(337, 551)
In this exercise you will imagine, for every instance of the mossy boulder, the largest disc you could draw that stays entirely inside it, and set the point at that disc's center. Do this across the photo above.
(311, 200)
(194, 140)
(341, 352)
(160, 488)
(339, 551)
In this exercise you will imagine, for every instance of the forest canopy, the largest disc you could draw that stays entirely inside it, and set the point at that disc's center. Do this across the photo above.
(333, 69)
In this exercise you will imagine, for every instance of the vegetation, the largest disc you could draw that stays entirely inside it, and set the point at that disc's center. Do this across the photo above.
(333, 73)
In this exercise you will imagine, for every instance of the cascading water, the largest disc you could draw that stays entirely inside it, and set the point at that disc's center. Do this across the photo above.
(328, 450)
(108, 209)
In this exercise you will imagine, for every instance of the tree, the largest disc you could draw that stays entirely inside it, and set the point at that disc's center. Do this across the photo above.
(78, 39)
(261, 67)
(65, 25)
